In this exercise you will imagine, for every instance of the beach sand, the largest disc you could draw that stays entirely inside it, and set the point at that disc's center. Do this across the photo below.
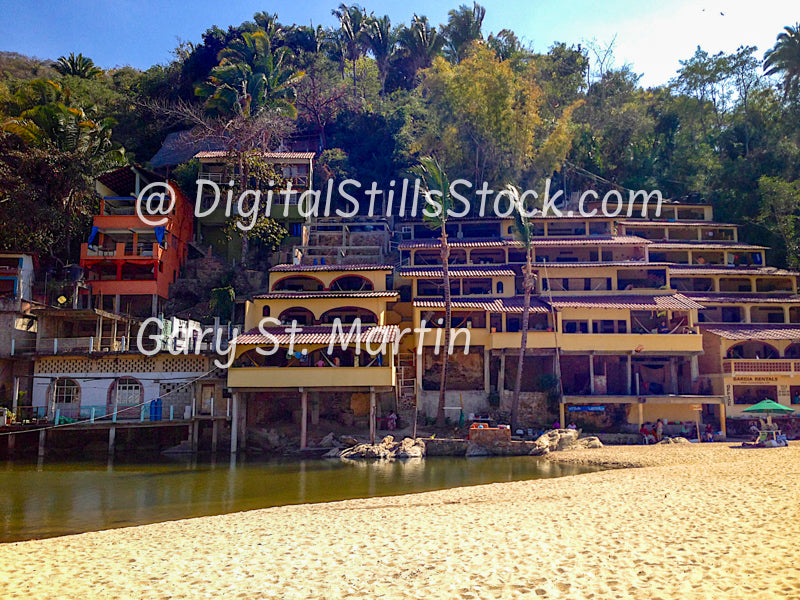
(693, 521)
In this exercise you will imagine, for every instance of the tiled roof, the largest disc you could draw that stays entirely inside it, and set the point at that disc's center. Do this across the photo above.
(744, 271)
(318, 335)
(640, 264)
(459, 271)
(275, 155)
(638, 302)
(675, 244)
(657, 223)
(512, 304)
(591, 240)
(310, 295)
(750, 298)
(321, 268)
(751, 331)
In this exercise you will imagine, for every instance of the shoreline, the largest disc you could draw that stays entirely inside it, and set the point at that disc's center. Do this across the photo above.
(664, 521)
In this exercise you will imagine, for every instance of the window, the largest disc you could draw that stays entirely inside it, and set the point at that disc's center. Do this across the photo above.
(67, 391)
(499, 287)
(129, 391)
(295, 229)
(265, 311)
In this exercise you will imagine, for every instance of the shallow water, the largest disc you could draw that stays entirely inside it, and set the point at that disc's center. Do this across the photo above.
(58, 498)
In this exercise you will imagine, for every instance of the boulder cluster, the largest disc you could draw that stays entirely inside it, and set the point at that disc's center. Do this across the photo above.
(387, 448)
(563, 439)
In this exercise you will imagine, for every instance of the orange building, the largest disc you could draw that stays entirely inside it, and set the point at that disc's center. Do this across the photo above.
(129, 264)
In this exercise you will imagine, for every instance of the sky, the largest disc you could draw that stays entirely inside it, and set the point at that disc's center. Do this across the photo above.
(651, 36)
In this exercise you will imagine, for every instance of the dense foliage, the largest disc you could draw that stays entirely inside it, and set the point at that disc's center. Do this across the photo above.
(377, 96)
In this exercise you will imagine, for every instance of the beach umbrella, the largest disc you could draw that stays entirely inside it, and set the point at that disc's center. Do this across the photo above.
(769, 407)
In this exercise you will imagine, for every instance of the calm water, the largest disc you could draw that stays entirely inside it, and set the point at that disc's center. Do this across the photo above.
(57, 498)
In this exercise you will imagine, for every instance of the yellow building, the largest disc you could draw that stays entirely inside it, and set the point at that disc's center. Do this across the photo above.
(291, 359)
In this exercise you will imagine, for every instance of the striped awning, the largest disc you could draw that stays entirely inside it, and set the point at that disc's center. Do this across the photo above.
(512, 304)
(637, 302)
(312, 295)
(318, 335)
(751, 331)
(458, 271)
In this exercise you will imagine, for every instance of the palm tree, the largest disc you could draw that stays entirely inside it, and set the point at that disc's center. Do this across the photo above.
(381, 40)
(352, 21)
(784, 57)
(524, 233)
(436, 186)
(463, 27)
(420, 43)
(79, 65)
(252, 76)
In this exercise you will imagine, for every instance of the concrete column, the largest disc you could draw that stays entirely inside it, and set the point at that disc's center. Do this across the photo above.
(214, 435)
(234, 423)
(722, 418)
(501, 376)
(112, 438)
(418, 381)
(694, 366)
(716, 284)
(747, 313)
(12, 439)
(372, 415)
(15, 397)
(315, 408)
(628, 374)
(753, 285)
(303, 419)
(154, 306)
(487, 377)
(195, 435)
(786, 317)
(562, 414)
(673, 374)
(42, 441)
(640, 407)
(591, 374)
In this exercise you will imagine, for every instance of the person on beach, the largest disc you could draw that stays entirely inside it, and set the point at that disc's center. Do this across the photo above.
(659, 430)
(685, 431)
(709, 433)
(572, 426)
(556, 425)
(391, 421)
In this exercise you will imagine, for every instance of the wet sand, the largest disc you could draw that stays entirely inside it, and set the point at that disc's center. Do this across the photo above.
(682, 521)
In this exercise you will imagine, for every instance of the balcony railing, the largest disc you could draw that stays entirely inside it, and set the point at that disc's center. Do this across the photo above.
(786, 366)
(223, 179)
(124, 250)
(82, 344)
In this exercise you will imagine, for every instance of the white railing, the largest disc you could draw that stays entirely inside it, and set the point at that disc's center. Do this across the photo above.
(741, 366)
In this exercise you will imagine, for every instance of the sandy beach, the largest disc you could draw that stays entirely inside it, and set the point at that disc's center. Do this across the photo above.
(689, 521)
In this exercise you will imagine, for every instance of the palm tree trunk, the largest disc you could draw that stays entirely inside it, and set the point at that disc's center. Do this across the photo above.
(526, 309)
(448, 321)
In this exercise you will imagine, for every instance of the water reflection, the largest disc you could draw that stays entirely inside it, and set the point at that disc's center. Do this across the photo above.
(56, 498)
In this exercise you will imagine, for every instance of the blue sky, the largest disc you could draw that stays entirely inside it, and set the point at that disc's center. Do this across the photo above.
(651, 35)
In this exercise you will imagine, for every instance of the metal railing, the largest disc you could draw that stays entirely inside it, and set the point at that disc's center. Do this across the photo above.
(82, 344)
(785, 366)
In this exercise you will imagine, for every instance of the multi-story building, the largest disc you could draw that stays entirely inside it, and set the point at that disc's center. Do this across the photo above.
(129, 264)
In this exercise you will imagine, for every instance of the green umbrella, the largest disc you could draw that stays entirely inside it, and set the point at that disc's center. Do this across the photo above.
(769, 407)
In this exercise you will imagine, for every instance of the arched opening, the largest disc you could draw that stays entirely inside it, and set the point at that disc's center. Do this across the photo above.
(67, 397)
(298, 283)
(348, 315)
(127, 395)
(499, 287)
(792, 351)
(303, 316)
(352, 283)
(753, 350)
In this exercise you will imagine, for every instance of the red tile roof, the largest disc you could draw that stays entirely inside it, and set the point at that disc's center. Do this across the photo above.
(752, 331)
(319, 335)
(275, 155)
(743, 271)
(321, 268)
(681, 245)
(310, 295)
(591, 240)
(459, 271)
(656, 223)
(635, 264)
(738, 298)
(512, 304)
(637, 302)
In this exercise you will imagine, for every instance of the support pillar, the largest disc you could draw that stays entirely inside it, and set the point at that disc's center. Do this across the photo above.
(214, 435)
(315, 408)
(303, 419)
(628, 374)
(501, 376)
(154, 306)
(722, 418)
(591, 374)
(487, 377)
(673, 375)
(112, 438)
(12, 440)
(640, 407)
(694, 366)
(42, 441)
(195, 435)
(372, 414)
(562, 414)
(234, 423)
(15, 398)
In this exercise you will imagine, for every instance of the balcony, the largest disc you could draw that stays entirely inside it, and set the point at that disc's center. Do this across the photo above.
(124, 251)
(628, 342)
(740, 366)
(81, 345)
(312, 377)
(298, 181)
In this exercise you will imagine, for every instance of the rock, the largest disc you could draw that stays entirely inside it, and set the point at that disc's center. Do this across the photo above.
(474, 450)
(680, 440)
(387, 441)
(329, 441)
(332, 453)
(558, 439)
(589, 443)
(539, 451)
(410, 449)
(348, 441)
